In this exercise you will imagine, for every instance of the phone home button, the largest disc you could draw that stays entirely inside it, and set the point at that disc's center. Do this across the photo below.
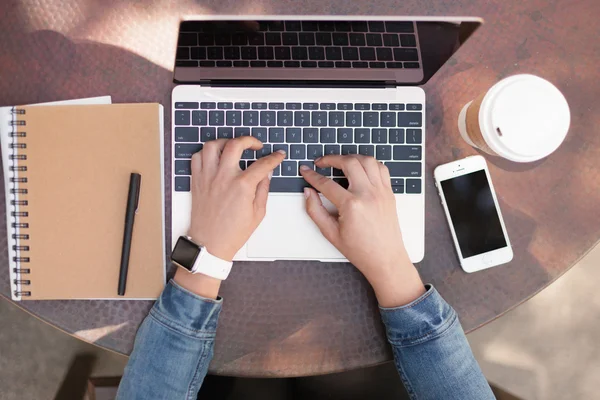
(486, 259)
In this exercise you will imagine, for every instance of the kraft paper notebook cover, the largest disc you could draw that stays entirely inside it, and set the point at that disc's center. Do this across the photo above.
(69, 168)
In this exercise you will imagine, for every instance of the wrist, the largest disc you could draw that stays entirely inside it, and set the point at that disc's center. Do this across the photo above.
(396, 284)
(202, 285)
(219, 250)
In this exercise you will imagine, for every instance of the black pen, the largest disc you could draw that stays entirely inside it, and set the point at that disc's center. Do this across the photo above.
(133, 198)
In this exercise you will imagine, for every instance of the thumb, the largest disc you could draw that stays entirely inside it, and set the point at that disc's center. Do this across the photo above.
(327, 223)
(261, 196)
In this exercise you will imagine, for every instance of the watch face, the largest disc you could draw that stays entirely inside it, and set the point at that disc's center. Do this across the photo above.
(185, 253)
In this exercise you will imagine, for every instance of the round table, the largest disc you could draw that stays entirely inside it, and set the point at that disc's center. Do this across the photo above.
(306, 318)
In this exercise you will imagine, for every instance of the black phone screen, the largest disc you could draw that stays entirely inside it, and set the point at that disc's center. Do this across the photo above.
(473, 213)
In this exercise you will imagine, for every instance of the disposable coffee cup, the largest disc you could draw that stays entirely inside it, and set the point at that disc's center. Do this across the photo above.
(522, 118)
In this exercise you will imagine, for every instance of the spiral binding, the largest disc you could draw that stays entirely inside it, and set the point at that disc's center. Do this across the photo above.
(17, 189)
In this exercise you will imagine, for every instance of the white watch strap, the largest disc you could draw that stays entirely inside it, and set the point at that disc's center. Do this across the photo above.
(212, 266)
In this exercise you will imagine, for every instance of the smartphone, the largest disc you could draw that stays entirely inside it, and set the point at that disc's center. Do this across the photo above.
(469, 201)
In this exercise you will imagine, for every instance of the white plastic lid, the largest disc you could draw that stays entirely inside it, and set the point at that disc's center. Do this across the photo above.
(524, 118)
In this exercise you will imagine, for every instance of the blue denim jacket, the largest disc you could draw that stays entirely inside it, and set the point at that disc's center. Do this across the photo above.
(174, 346)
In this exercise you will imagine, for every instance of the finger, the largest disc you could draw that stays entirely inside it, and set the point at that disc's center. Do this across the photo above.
(371, 166)
(196, 164)
(353, 170)
(263, 167)
(385, 175)
(262, 194)
(327, 223)
(334, 192)
(211, 155)
(232, 153)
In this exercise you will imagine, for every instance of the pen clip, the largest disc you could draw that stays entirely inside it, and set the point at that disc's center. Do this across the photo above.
(138, 189)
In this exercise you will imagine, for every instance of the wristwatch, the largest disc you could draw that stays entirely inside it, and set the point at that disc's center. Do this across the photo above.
(196, 259)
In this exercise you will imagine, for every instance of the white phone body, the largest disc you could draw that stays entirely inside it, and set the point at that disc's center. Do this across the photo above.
(468, 207)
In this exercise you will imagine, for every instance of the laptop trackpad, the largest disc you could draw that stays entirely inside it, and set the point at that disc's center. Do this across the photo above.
(287, 232)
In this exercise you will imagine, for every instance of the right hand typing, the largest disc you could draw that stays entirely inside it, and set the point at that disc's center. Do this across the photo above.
(366, 229)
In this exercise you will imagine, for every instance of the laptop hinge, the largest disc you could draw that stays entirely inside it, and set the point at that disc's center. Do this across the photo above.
(295, 84)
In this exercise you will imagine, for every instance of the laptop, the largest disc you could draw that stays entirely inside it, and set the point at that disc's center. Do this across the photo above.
(312, 86)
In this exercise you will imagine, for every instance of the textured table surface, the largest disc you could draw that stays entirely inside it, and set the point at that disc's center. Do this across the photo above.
(304, 318)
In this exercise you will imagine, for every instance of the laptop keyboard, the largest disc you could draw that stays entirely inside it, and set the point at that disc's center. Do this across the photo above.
(392, 133)
(300, 44)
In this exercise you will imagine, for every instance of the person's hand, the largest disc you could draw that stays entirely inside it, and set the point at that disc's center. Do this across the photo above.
(366, 230)
(228, 204)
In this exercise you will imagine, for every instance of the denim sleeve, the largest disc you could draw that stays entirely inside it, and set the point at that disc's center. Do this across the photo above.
(173, 347)
(431, 351)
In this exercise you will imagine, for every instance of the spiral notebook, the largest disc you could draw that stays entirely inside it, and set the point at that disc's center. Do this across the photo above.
(66, 171)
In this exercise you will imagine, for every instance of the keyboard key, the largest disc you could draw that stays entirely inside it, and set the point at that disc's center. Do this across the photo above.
(337, 172)
(221, 63)
(234, 118)
(388, 119)
(283, 53)
(231, 53)
(336, 118)
(249, 163)
(259, 106)
(414, 107)
(293, 106)
(332, 149)
(333, 53)
(357, 39)
(407, 152)
(293, 135)
(380, 106)
(275, 64)
(344, 135)
(327, 135)
(242, 164)
(326, 64)
(273, 39)
(309, 164)
(350, 53)
(248, 154)
(216, 117)
(391, 40)
(366, 150)
(251, 118)
(214, 53)
(183, 167)
(225, 132)
(362, 106)
(349, 149)
(323, 39)
(376, 64)
(397, 107)
(344, 106)
(302, 118)
(258, 64)
(265, 151)
(359, 26)
(367, 53)
(306, 38)
(409, 119)
(285, 118)
(267, 118)
(326, 26)
(384, 152)
(277, 171)
(360, 64)
(223, 39)
(208, 133)
(283, 147)
(188, 105)
(276, 26)
(310, 135)
(403, 169)
(297, 152)
(241, 131)
(408, 54)
(288, 168)
(316, 53)
(299, 53)
(239, 39)
(413, 136)
(260, 134)
(340, 39)
(413, 186)
(393, 64)
(379, 135)
(411, 65)
(182, 117)
(326, 171)
(396, 189)
(314, 151)
(293, 26)
(374, 39)
(396, 136)
(206, 39)
(408, 40)
(276, 135)
(343, 64)
(186, 134)
(310, 106)
(248, 53)
(199, 118)
(343, 182)
(362, 135)
(319, 118)
(399, 26)
(187, 39)
(343, 26)
(353, 119)
(276, 106)
(289, 39)
(265, 53)
(187, 150)
(384, 54)
(291, 64)
(376, 26)
(371, 119)
(182, 183)
(288, 185)
(208, 105)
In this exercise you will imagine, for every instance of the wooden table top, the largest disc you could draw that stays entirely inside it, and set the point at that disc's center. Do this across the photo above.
(306, 318)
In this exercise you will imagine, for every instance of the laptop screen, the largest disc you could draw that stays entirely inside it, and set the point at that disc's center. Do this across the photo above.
(397, 50)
